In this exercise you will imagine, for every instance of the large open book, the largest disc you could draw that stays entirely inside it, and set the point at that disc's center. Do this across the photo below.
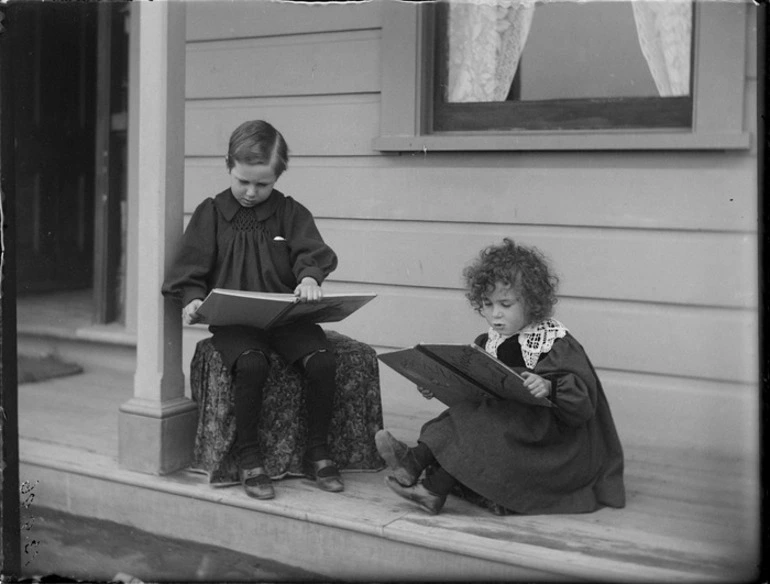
(455, 373)
(265, 310)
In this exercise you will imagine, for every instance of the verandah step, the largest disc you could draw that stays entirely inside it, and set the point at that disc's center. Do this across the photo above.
(88, 347)
(368, 534)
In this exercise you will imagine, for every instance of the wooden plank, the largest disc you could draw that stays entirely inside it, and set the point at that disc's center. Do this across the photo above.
(591, 551)
(703, 343)
(706, 191)
(209, 20)
(750, 112)
(318, 125)
(638, 265)
(670, 412)
(557, 140)
(594, 543)
(718, 88)
(87, 404)
(615, 113)
(751, 42)
(309, 65)
(404, 71)
(674, 340)
(339, 546)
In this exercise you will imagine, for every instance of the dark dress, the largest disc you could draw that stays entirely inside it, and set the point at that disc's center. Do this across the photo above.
(266, 248)
(532, 459)
(270, 248)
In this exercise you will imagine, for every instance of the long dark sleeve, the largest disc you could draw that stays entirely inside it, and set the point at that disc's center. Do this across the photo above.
(310, 256)
(189, 275)
(574, 383)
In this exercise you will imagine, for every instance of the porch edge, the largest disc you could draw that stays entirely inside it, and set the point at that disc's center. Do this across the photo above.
(396, 544)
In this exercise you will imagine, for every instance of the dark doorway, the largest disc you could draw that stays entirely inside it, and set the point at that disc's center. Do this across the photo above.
(54, 66)
(69, 111)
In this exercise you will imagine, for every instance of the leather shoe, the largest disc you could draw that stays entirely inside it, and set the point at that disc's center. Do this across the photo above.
(428, 501)
(396, 454)
(325, 474)
(256, 483)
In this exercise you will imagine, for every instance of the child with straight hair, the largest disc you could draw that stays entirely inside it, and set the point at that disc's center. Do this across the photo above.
(253, 237)
(502, 454)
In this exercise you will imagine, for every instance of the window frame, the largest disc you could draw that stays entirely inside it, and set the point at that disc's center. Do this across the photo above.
(718, 81)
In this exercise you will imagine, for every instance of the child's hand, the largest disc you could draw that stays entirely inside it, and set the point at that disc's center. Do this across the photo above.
(308, 290)
(426, 393)
(190, 312)
(536, 385)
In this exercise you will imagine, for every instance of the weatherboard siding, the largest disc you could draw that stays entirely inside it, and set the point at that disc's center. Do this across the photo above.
(657, 251)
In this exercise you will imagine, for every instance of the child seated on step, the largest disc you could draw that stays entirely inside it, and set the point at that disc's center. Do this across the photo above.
(508, 456)
(253, 237)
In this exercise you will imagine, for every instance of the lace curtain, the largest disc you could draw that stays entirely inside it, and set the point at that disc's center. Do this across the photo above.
(664, 28)
(485, 41)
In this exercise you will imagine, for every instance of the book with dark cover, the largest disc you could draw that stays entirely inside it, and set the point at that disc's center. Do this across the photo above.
(267, 310)
(455, 373)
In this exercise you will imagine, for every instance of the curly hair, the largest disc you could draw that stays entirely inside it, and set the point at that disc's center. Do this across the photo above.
(523, 268)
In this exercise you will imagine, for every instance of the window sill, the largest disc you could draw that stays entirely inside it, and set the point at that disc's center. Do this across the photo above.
(563, 141)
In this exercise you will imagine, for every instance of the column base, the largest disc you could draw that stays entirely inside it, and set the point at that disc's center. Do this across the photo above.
(156, 438)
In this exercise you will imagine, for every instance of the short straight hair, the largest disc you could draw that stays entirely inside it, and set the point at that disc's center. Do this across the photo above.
(258, 142)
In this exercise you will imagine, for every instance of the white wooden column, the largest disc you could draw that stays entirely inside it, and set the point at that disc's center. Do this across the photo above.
(157, 425)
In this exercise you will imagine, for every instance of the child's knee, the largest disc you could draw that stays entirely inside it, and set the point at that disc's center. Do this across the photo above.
(319, 365)
(251, 365)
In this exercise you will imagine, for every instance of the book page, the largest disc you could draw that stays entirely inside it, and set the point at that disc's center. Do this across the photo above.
(263, 310)
(221, 308)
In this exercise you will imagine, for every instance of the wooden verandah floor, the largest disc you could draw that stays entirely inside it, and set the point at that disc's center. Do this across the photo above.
(690, 517)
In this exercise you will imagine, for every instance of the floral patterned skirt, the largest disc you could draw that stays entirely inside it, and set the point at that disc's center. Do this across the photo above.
(283, 426)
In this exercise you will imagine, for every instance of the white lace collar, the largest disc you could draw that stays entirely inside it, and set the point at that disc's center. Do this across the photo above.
(536, 339)
(494, 340)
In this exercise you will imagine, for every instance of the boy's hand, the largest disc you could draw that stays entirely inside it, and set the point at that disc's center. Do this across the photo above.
(308, 290)
(190, 312)
(536, 385)
(426, 393)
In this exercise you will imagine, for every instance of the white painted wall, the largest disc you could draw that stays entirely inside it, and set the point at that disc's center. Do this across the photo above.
(657, 250)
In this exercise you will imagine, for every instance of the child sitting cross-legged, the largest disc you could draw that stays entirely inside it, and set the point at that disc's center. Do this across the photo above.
(508, 456)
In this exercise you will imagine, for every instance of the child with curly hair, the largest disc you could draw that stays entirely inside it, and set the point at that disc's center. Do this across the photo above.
(505, 455)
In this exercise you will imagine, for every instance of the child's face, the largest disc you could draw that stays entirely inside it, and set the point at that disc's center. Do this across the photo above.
(504, 311)
(251, 183)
